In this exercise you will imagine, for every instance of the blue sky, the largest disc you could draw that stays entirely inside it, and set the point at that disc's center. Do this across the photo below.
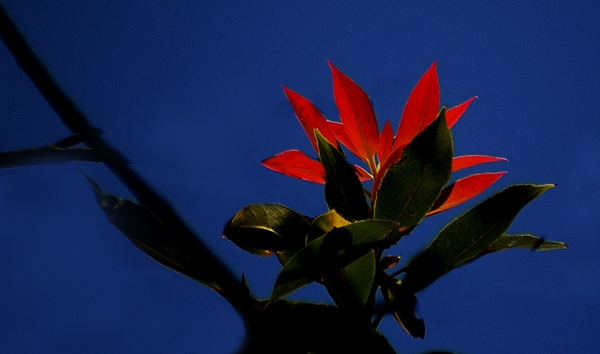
(191, 94)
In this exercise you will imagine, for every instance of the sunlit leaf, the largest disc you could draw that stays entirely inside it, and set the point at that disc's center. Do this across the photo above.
(357, 115)
(329, 253)
(470, 234)
(460, 162)
(296, 163)
(266, 228)
(327, 222)
(386, 142)
(421, 108)
(341, 135)
(454, 113)
(309, 117)
(410, 188)
(343, 190)
(362, 174)
(463, 190)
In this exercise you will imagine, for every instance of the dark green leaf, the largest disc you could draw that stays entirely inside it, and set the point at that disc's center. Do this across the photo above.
(402, 304)
(351, 287)
(330, 253)
(302, 328)
(343, 190)
(266, 228)
(524, 241)
(147, 232)
(470, 234)
(410, 187)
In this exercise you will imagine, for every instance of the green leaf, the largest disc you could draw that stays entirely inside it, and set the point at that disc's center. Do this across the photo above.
(324, 223)
(148, 233)
(402, 304)
(343, 190)
(266, 228)
(535, 243)
(351, 287)
(410, 187)
(330, 253)
(470, 235)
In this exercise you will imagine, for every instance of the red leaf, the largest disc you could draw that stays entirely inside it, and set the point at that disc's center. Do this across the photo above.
(357, 115)
(362, 174)
(452, 114)
(421, 107)
(463, 190)
(340, 133)
(460, 162)
(309, 117)
(297, 164)
(386, 141)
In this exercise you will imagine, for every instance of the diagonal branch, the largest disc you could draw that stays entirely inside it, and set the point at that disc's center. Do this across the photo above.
(75, 120)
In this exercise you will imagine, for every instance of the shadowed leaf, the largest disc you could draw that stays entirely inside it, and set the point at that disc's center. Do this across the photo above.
(329, 253)
(343, 190)
(351, 286)
(402, 304)
(535, 243)
(266, 228)
(148, 233)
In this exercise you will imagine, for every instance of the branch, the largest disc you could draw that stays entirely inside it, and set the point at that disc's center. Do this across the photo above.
(75, 120)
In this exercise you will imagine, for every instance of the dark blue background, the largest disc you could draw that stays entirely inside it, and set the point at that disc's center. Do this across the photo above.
(190, 93)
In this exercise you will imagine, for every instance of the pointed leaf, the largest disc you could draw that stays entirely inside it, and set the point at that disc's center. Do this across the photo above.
(421, 108)
(309, 117)
(148, 233)
(362, 174)
(329, 253)
(456, 112)
(463, 190)
(296, 163)
(266, 228)
(460, 162)
(470, 234)
(524, 241)
(343, 190)
(386, 142)
(357, 115)
(409, 188)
